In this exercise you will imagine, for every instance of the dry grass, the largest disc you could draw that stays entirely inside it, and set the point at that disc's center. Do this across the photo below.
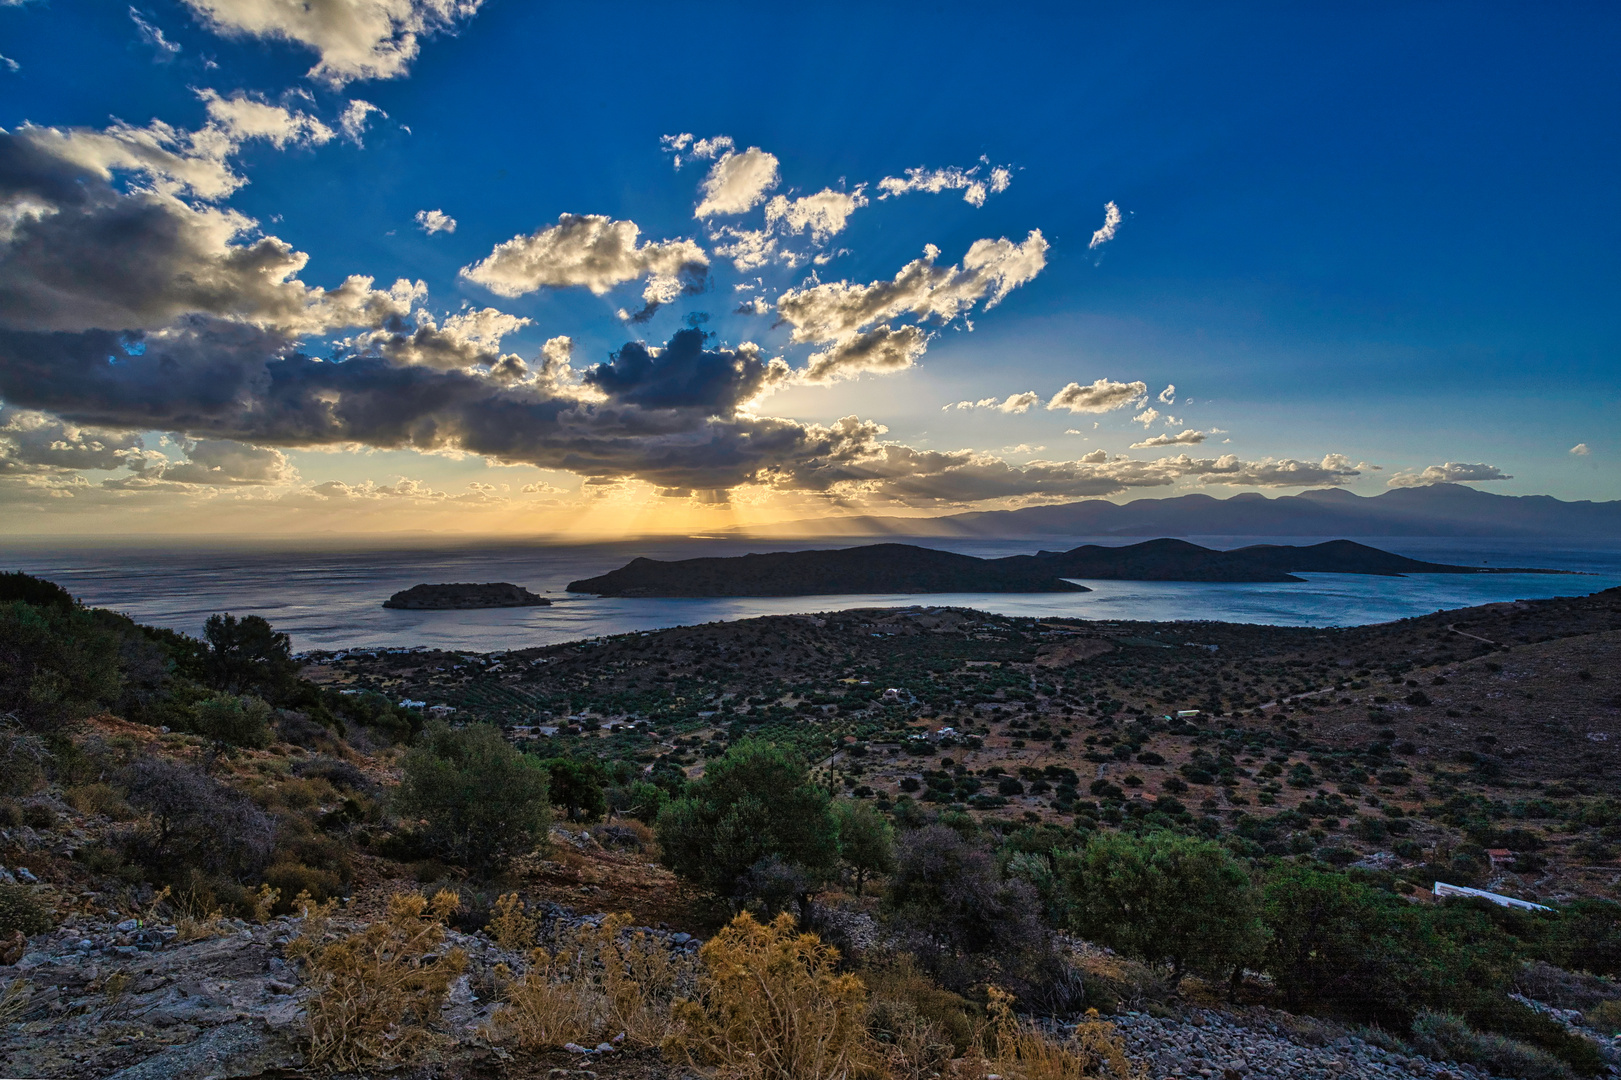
(593, 983)
(772, 1006)
(375, 993)
(14, 1000)
(1016, 1048)
(511, 926)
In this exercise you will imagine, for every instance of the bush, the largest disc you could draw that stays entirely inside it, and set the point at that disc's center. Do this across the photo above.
(23, 758)
(591, 984)
(1605, 1017)
(1449, 1038)
(55, 665)
(1161, 898)
(483, 802)
(772, 1004)
(194, 822)
(21, 912)
(753, 804)
(229, 721)
(374, 992)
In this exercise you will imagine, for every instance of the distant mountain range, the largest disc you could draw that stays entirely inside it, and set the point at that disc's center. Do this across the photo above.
(904, 568)
(1438, 510)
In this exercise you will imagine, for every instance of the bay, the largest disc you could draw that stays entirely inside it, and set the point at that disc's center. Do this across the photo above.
(329, 595)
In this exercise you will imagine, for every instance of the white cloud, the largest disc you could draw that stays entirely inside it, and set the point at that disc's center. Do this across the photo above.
(755, 305)
(685, 143)
(823, 214)
(737, 182)
(1453, 472)
(952, 178)
(1580, 450)
(1333, 470)
(355, 39)
(990, 270)
(1098, 397)
(1013, 403)
(1147, 417)
(594, 252)
(10, 64)
(749, 249)
(1168, 395)
(1111, 225)
(37, 443)
(465, 340)
(356, 115)
(208, 463)
(240, 118)
(883, 349)
(1187, 438)
(435, 221)
(153, 36)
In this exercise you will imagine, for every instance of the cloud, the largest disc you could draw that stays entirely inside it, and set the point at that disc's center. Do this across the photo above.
(151, 35)
(355, 39)
(465, 340)
(1014, 403)
(1580, 450)
(10, 64)
(1111, 225)
(737, 182)
(685, 143)
(79, 252)
(214, 463)
(990, 270)
(952, 178)
(755, 305)
(1147, 417)
(435, 221)
(882, 349)
(1098, 397)
(356, 115)
(823, 214)
(1168, 395)
(594, 252)
(1187, 438)
(1333, 470)
(1452, 472)
(35, 443)
(749, 249)
(685, 375)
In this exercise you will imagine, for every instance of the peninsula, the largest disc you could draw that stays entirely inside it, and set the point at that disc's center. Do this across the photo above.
(905, 568)
(455, 597)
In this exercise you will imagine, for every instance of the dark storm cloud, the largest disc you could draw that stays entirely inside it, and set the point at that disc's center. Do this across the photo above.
(684, 375)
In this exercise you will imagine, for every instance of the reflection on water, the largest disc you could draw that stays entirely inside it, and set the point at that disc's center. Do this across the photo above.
(332, 599)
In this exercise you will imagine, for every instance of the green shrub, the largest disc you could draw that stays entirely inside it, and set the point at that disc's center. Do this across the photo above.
(1161, 897)
(753, 804)
(1449, 1038)
(482, 801)
(1605, 1017)
(230, 721)
(21, 911)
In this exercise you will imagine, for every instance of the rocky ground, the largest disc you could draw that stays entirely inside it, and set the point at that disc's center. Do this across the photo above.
(124, 1001)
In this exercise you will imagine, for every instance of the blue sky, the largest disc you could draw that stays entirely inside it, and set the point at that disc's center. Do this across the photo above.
(1378, 235)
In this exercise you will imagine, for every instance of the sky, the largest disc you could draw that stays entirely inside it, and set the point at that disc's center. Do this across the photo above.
(492, 267)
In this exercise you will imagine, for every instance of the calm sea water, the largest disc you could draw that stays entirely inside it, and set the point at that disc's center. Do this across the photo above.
(331, 598)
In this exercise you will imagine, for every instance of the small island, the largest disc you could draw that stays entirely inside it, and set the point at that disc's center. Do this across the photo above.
(462, 597)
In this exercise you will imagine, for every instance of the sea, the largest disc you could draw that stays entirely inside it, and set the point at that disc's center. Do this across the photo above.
(329, 595)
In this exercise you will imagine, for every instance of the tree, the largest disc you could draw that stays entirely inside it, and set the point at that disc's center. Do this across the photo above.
(577, 787)
(246, 654)
(195, 822)
(948, 887)
(481, 800)
(1337, 944)
(866, 840)
(1161, 897)
(754, 803)
(231, 721)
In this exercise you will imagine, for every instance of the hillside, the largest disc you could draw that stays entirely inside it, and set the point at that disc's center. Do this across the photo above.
(878, 568)
(1437, 510)
(904, 568)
